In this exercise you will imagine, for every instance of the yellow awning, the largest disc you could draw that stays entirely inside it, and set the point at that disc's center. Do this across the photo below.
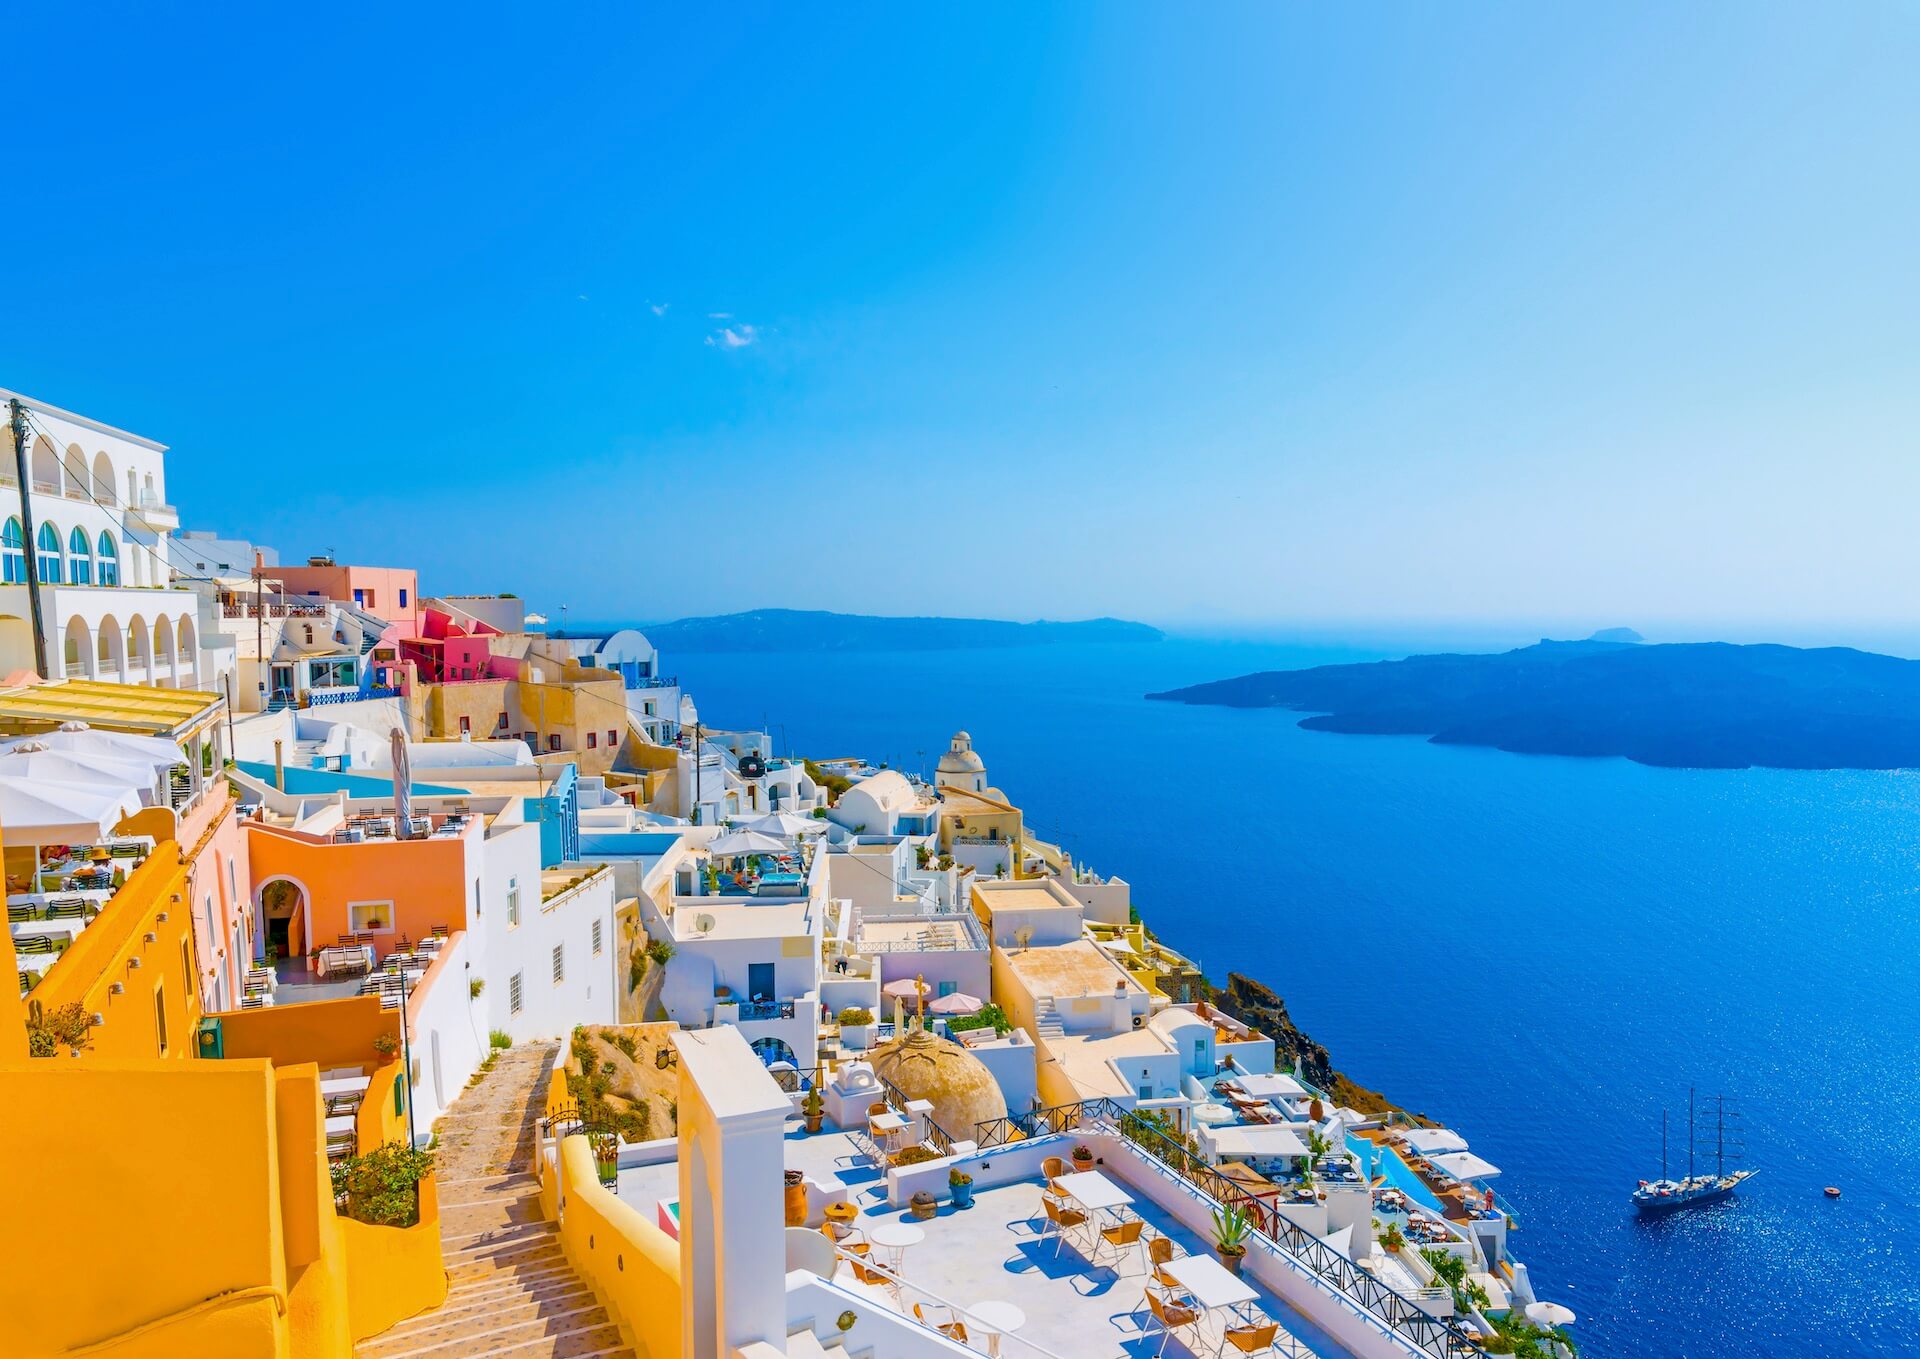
(176, 713)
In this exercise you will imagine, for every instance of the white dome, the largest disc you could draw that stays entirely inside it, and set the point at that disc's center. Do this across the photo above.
(960, 758)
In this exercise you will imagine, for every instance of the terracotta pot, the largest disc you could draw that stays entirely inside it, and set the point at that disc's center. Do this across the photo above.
(815, 1120)
(1231, 1260)
(1083, 1162)
(924, 1205)
(796, 1199)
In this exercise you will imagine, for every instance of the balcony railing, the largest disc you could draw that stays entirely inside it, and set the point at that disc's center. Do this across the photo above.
(657, 682)
(765, 1009)
(275, 609)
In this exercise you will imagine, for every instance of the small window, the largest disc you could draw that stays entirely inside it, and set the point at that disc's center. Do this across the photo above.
(308, 629)
(501, 725)
(476, 898)
(559, 963)
(596, 938)
(403, 599)
(513, 994)
(466, 726)
(370, 603)
(513, 906)
(160, 1017)
(553, 743)
(593, 740)
(370, 917)
(612, 740)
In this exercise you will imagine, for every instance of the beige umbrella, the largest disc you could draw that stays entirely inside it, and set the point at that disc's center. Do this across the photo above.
(955, 1003)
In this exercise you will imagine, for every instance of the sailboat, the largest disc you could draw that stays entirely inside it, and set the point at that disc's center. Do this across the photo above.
(1665, 1195)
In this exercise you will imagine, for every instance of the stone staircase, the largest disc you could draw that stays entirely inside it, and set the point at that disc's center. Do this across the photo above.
(1046, 1019)
(510, 1290)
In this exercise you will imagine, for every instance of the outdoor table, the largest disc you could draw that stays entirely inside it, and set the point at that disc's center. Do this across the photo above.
(996, 1319)
(69, 928)
(35, 962)
(1093, 1191)
(1208, 1282)
(886, 1125)
(345, 1085)
(894, 1238)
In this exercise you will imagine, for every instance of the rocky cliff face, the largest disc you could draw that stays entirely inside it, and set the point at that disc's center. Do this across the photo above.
(1257, 1005)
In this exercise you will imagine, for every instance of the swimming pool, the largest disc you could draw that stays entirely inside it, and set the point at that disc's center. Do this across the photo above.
(1386, 1161)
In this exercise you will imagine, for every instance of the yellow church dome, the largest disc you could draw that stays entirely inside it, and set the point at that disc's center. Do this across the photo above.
(954, 1081)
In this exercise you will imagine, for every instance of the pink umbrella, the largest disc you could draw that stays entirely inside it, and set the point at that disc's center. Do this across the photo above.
(958, 1003)
(905, 989)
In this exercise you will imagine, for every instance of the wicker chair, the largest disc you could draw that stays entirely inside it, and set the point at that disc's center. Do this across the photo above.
(1063, 1220)
(953, 1328)
(1253, 1338)
(1170, 1314)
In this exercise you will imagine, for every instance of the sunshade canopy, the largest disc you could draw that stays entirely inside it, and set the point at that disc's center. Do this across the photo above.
(1464, 1165)
(787, 824)
(41, 812)
(905, 989)
(1255, 1140)
(955, 1003)
(1275, 1086)
(1432, 1141)
(747, 842)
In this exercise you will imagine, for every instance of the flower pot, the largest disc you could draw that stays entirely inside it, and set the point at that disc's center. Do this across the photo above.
(815, 1120)
(1083, 1160)
(1231, 1260)
(924, 1205)
(962, 1195)
(796, 1199)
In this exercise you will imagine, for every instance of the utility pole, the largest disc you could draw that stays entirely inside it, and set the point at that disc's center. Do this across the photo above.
(259, 630)
(698, 742)
(19, 422)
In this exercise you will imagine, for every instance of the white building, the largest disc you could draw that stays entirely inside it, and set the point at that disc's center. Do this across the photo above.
(101, 526)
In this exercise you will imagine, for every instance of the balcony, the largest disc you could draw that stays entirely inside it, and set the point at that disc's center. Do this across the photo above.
(275, 606)
(751, 1010)
(656, 682)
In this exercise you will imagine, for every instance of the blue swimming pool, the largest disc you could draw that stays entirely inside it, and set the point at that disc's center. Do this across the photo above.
(1375, 1160)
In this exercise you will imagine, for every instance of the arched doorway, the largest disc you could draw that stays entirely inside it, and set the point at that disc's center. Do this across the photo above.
(283, 909)
(771, 1050)
(77, 662)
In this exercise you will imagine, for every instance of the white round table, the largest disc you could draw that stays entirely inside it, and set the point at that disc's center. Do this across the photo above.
(894, 1238)
(997, 1319)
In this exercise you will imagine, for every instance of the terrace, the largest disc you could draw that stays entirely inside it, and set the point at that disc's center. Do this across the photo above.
(46, 914)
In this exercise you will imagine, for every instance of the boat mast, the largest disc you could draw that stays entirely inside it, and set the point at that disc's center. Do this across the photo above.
(1720, 1153)
(1689, 1132)
(1663, 1144)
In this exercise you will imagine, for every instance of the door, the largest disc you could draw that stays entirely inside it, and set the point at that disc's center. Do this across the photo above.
(433, 1052)
(282, 686)
(759, 981)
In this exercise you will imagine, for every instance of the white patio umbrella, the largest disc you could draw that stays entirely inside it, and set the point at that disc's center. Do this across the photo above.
(787, 824)
(77, 766)
(955, 1003)
(747, 842)
(118, 745)
(1550, 1314)
(42, 812)
(905, 989)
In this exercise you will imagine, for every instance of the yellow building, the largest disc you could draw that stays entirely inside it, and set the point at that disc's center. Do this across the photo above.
(573, 712)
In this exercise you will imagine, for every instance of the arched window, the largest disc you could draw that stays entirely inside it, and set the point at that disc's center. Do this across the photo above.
(80, 557)
(13, 549)
(109, 560)
(46, 545)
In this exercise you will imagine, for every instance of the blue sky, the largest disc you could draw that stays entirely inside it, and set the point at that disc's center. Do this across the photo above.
(1197, 314)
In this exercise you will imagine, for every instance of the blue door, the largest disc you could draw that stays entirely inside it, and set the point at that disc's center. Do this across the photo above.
(760, 981)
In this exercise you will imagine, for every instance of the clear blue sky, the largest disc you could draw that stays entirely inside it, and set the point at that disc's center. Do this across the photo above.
(1185, 313)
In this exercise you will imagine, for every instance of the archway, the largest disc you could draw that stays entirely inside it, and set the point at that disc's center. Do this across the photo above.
(16, 643)
(103, 488)
(283, 909)
(162, 652)
(110, 654)
(188, 668)
(46, 467)
(771, 1050)
(79, 659)
(76, 470)
(139, 643)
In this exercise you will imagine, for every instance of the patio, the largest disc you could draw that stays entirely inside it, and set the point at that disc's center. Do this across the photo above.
(1000, 1251)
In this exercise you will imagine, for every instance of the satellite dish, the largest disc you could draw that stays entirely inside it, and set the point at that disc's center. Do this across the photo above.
(703, 924)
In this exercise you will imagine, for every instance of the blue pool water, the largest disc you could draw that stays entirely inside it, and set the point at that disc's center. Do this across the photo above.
(1539, 952)
(1385, 1161)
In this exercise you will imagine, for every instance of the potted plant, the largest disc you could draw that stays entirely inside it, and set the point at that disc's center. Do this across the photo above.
(1083, 1157)
(606, 1156)
(1315, 1109)
(924, 1205)
(386, 1044)
(814, 1108)
(796, 1183)
(961, 1185)
(856, 1026)
(1230, 1231)
(1393, 1238)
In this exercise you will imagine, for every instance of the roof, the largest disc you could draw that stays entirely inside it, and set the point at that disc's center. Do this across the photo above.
(84, 421)
(1431, 1141)
(1088, 1059)
(115, 707)
(1254, 1140)
(1065, 971)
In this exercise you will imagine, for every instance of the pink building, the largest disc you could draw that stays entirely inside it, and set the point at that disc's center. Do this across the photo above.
(389, 592)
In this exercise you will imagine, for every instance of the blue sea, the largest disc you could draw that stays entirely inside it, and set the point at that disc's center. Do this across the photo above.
(1540, 952)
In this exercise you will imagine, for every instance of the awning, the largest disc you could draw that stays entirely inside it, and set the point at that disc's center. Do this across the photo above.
(40, 812)
(1432, 1141)
(1464, 1165)
(173, 713)
(747, 842)
(787, 824)
(1254, 1141)
(1276, 1086)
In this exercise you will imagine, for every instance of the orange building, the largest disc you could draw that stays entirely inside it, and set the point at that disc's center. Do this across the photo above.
(389, 592)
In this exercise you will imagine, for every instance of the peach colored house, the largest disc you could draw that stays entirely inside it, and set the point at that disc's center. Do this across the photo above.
(389, 592)
(386, 889)
(219, 897)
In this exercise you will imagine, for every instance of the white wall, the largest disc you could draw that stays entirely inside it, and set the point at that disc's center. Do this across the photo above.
(588, 992)
(447, 1032)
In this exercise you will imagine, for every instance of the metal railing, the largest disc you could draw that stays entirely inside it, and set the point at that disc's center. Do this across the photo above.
(567, 1120)
(940, 1139)
(1403, 1316)
(1058, 1118)
(765, 1009)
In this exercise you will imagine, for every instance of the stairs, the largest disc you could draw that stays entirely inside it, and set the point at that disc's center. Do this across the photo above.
(1046, 1020)
(510, 1290)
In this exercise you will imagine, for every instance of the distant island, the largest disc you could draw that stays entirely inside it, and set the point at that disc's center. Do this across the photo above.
(814, 630)
(1706, 705)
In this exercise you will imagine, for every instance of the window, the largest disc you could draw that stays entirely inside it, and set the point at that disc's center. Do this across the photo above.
(466, 672)
(553, 743)
(13, 546)
(513, 904)
(47, 540)
(612, 740)
(501, 725)
(370, 600)
(403, 599)
(360, 597)
(160, 1017)
(339, 674)
(80, 549)
(476, 898)
(373, 917)
(466, 726)
(186, 954)
(593, 739)
(1199, 1053)
(308, 629)
(559, 963)
(109, 560)
(596, 938)
(513, 994)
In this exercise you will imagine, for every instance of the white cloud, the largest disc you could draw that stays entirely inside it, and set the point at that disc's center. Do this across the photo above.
(658, 308)
(719, 316)
(733, 337)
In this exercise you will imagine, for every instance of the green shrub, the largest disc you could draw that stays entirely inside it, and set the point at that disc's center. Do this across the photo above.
(626, 1044)
(382, 1187)
(855, 1015)
(987, 1014)
(70, 1026)
(500, 1039)
(913, 1156)
(660, 951)
(475, 987)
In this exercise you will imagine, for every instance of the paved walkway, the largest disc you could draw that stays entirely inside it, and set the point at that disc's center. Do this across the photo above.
(510, 1290)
